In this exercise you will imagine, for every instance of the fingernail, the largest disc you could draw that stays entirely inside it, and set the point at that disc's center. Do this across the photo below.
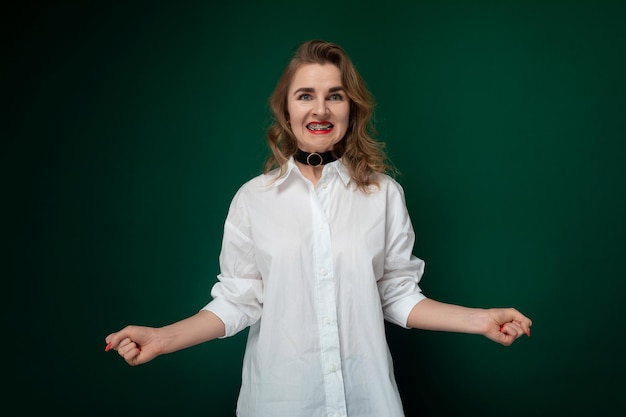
(108, 347)
(528, 332)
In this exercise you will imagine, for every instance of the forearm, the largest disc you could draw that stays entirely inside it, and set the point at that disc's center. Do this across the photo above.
(430, 314)
(196, 329)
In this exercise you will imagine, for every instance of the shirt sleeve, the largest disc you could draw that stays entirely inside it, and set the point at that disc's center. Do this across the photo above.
(398, 287)
(238, 294)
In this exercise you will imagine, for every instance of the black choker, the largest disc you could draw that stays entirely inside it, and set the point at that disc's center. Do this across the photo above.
(315, 159)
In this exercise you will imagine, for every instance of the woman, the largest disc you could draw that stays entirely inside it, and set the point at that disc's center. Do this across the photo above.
(316, 254)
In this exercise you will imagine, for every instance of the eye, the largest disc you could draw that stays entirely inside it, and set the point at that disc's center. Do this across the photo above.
(304, 97)
(335, 97)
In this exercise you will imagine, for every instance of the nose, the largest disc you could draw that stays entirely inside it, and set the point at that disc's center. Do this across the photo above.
(321, 109)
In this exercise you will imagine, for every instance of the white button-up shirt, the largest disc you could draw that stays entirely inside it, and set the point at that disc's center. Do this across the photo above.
(314, 271)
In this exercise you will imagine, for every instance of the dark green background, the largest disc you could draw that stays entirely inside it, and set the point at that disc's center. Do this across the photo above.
(128, 128)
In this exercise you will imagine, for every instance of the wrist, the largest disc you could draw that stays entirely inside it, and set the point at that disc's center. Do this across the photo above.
(480, 321)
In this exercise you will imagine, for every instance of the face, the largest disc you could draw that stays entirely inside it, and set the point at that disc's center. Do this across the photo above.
(318, 107)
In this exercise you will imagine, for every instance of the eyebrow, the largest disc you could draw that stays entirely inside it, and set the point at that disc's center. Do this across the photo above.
(311, 90)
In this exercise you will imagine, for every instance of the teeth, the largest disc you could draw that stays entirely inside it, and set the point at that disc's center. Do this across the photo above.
(319, 126)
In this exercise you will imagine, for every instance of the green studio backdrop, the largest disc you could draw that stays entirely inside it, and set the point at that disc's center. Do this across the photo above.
(129, 126)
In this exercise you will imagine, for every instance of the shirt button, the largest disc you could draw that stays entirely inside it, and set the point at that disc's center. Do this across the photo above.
(323, 271)
(326, 320)
(324, 185)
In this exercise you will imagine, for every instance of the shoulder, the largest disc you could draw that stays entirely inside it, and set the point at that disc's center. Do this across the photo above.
(388, 185)
(260, 183)
(255, 187)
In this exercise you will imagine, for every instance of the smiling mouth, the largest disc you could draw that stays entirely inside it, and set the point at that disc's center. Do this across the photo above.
(319, 127)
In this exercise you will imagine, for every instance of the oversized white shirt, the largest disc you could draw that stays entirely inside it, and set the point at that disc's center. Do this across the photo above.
(314, 271)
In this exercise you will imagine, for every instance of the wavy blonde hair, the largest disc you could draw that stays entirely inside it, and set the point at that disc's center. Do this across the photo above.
(362, 154)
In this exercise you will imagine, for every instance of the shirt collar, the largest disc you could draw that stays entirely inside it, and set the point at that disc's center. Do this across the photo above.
(291, 165)
(342, 170)
(337, 165)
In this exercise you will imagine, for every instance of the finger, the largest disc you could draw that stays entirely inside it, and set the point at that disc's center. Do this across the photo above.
(126, 346)
(512, 329)
(516, 315)
(109, 342)
(505, 339)
(525, 325)
(521, 320)
(113, 341)
(131, 356)
(124, 343)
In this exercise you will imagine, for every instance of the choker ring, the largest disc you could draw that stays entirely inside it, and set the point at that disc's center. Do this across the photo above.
(314, 159)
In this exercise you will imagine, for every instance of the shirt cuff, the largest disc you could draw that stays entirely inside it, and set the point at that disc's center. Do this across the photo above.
(234, 319)
(398, 312)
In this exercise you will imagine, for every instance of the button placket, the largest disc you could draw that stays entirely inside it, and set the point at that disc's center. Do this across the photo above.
(326, 306)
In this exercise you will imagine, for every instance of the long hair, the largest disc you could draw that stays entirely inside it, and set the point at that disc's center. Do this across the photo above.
(360, 152)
